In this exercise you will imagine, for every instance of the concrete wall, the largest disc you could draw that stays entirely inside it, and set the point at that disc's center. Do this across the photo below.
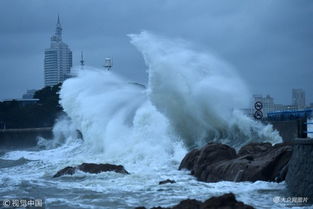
(299, 178)
(23, 137)
(290, 129)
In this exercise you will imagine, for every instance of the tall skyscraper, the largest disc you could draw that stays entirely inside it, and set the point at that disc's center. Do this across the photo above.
(298, 98)
(58, 59)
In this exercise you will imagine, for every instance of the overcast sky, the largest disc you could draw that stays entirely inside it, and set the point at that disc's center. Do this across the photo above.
(269, 42)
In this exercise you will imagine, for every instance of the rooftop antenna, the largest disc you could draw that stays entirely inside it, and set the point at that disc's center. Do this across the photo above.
(108, 63)
(82, 62)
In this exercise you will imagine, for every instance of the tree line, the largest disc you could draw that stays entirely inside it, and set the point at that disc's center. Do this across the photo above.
(14, 114)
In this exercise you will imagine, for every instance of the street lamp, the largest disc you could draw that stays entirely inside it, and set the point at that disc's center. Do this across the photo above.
(108, 63)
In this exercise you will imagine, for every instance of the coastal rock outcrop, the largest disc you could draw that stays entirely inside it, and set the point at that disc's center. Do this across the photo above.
(224, 201)
(91, 168)
(256, 161)
(167, 181)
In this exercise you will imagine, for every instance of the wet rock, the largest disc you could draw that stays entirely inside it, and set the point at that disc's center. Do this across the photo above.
(227, 201)
(189, 160)
(69, 170)
(255, 148)
(198, 160)
(189, 203)
(256, 161)
(79, 134)
(91, 168)
(224, 201)
(167, 181)
(98, 168)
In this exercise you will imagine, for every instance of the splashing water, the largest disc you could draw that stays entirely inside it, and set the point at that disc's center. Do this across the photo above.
(191, 98)
(198, 93)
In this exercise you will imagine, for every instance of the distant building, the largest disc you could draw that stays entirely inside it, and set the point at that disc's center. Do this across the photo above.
(29, 94)
(58, 59)
(298, 98)
(268, 103)
(21, 102)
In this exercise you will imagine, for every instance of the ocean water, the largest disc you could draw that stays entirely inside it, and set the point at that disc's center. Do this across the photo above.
(33, 179)
(192, 97)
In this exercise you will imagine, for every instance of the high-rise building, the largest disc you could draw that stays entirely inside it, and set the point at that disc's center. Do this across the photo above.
(267, 102)
(298, 98)
(58, 59)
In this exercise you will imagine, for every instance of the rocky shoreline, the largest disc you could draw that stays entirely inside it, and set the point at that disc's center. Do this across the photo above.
(225, 201)
(256, 161)
(217, 162)
(91, 168)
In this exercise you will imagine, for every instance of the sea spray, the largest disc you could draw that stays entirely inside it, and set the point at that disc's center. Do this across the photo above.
(123, 123)
(191, 98)
(117, 120)
(198, 93)
(64, 131)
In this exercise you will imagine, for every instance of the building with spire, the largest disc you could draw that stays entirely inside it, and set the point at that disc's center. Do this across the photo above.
(58, 59)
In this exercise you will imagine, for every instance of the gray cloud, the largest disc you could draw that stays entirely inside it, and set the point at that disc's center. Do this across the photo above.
(268, 42)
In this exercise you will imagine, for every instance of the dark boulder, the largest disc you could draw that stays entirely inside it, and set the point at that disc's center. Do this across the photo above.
(189, 160)
(189, 203)
(256, 161)
(167, 181)
(198, 160)
(227, 201)
(98, 168)
(91, 168)
(69, 170)
(255, 148)
(224, 201)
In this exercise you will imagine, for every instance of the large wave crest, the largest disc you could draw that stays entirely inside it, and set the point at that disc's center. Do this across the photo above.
(191, 98)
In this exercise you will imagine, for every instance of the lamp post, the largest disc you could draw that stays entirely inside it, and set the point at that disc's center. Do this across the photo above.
(108, 63)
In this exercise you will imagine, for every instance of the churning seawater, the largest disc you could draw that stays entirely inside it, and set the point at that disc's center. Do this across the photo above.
(191, 98)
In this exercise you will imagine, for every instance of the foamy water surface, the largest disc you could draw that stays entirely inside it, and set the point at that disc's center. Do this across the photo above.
(190, 99)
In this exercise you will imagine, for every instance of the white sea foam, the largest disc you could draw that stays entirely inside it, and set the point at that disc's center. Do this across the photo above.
(198, 93)
(191, 98)
(64, 132)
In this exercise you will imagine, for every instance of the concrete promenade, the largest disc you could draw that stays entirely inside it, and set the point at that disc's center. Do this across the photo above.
(23, 137)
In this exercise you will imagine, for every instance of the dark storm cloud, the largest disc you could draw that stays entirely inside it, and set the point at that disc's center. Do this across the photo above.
(269, 42)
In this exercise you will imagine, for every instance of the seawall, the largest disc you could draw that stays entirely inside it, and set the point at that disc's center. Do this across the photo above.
(299, 178)
(23, 137)
(290, 129)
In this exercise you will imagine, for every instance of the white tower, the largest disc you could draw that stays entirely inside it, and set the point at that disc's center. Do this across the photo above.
(58, 59)
(108, 63)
